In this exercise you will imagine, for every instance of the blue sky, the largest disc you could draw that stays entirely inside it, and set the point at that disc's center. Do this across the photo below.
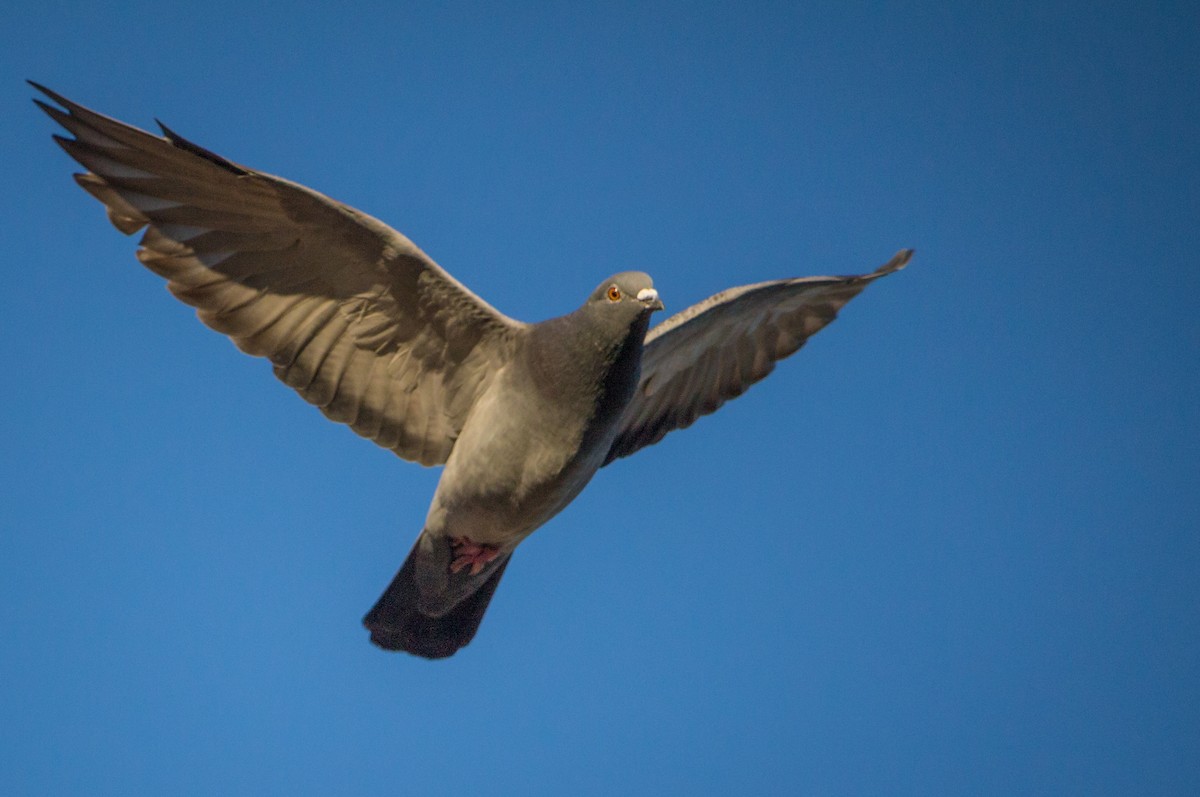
(951, 547)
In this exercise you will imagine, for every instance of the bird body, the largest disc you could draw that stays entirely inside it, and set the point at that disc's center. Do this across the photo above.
(364, 325)
(542, 429)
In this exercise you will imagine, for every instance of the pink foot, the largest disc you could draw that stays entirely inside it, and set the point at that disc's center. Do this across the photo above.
(468, 552)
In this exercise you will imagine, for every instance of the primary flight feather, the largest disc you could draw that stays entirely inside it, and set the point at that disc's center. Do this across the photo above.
(364, 325)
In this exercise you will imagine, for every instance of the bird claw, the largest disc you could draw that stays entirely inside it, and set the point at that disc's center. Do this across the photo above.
(467, 552)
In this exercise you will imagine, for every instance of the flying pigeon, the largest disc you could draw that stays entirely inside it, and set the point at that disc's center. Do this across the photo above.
(364, 325)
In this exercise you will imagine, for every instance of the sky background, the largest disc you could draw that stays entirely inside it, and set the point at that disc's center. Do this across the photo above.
(951, 547)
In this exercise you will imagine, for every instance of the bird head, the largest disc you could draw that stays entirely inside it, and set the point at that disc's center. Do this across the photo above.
(630, 291)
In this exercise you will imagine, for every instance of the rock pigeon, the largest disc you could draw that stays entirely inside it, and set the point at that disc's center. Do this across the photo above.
(364, 325)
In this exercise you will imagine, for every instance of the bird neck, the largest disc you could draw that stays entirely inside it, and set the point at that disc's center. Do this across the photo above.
(578, 358)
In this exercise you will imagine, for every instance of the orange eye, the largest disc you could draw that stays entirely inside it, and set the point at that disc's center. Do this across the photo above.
(614, 293)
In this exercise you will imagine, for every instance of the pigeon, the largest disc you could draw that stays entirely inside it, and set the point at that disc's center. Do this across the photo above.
(369, 329)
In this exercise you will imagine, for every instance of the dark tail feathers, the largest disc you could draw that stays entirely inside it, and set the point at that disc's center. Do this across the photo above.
(396, 622)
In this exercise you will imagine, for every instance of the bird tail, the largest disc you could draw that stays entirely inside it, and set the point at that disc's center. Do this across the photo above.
(397, 621)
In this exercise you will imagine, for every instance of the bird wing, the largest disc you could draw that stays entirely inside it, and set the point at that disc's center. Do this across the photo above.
(353, 316)
(713, 351)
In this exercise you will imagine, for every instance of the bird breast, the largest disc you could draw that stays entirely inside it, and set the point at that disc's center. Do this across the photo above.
(531, 443)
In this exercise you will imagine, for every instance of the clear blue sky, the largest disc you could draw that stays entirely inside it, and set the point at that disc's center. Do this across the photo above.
(951, 547)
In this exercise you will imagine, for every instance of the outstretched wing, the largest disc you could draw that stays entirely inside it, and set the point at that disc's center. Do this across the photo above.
(354, 317)
(713, 351)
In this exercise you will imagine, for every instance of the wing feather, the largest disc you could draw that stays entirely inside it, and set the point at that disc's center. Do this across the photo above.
(352, 315)
(711, 352)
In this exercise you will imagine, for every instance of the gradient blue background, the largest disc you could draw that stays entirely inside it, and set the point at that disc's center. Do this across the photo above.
(952, 547)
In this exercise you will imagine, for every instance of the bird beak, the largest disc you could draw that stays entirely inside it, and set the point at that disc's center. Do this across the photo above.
(649, 297)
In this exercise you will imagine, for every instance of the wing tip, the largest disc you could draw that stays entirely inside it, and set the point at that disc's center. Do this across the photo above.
(56, 97)
(189, 146)
(898, 261)
(57, 114)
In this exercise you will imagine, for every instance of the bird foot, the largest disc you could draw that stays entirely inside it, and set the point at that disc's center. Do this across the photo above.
(470, 553)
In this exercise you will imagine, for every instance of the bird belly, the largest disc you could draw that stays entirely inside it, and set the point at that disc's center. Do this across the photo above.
(517, 463)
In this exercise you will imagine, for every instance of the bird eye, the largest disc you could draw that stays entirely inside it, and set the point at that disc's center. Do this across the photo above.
(614, 293)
